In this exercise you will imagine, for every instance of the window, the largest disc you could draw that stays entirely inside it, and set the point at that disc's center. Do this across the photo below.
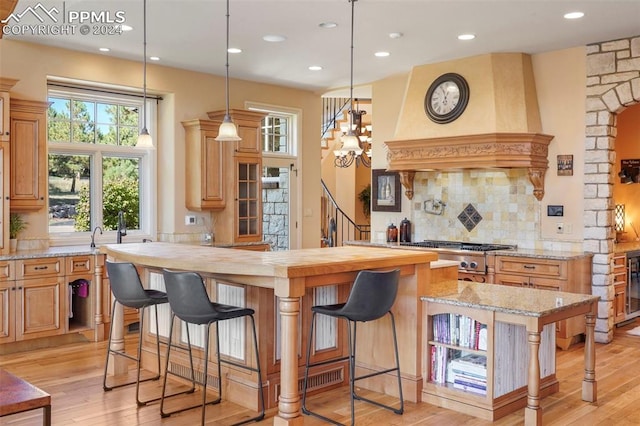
(95, 171)
(275, 133)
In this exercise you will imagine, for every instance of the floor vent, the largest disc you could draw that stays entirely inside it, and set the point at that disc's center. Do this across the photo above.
(319, 380)
(185, 372)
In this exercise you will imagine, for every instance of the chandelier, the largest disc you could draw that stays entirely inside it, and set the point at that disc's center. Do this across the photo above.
(355, 141)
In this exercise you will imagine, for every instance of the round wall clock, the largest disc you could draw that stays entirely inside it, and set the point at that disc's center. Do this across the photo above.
(446, 98)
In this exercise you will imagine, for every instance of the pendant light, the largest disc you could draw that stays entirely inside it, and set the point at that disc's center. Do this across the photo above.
(228, 131)
(144, 138)
(351, 150)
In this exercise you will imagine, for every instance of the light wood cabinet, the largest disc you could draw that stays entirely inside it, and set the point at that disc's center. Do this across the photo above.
(620, 287)
(241, 220)
(6, 84)
(7, 302)
(204, 166)
(4, 197)
(496, 384)
(28, 165)
(570, 274)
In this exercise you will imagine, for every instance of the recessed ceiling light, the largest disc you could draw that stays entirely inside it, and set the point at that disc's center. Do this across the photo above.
(382, 54)
(395, 35)
(154, 58)
(104, 49)
(126, 27)
(327, 25)
(315, 68)
(234, 50)
(573, 15)
(273, 38)
(466, 36)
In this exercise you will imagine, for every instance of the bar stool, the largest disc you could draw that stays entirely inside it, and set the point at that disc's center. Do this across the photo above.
(128, 291)
(371, 298)
(190, 302)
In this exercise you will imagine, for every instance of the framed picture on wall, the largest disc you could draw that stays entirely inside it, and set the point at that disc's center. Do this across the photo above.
(385, 188)
(565, 165)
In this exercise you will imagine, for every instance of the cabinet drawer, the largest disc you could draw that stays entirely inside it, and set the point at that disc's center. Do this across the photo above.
(7, 270)
(620, 261)
(531, 267)
(79, 265)
(40, 267)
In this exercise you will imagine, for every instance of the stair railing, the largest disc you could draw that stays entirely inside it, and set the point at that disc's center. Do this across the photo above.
(332, 109)
(336, 226)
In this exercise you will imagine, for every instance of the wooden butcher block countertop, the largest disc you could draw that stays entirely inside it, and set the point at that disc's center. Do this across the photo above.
(284, 264)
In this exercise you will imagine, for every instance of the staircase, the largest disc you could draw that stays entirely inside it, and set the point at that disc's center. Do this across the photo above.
(336, 226)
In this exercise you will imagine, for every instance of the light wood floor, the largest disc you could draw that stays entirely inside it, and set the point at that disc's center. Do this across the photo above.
(72, 374)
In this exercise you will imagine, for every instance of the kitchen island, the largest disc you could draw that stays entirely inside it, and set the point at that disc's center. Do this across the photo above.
(502, 307)
(284, 282)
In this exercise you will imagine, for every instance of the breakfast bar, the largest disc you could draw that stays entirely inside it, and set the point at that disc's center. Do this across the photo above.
(289, 277)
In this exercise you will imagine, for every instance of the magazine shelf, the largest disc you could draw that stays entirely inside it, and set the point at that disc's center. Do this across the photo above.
(478, 366)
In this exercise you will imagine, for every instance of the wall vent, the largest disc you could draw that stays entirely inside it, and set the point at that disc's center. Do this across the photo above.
(318, 381)
(185, 372)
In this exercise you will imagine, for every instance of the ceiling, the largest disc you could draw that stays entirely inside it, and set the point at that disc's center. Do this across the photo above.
(190, 34)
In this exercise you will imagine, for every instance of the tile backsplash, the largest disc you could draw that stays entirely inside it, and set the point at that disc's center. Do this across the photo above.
(506, 210)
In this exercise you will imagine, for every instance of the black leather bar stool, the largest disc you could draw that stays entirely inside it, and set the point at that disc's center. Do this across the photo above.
(372, 295)
(128, 291)
(190, 302)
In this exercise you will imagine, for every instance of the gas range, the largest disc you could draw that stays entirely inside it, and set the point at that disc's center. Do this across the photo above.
(471, 257)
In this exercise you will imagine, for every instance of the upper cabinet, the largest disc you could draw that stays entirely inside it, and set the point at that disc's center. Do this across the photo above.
(28, 181)
(248, 124)
(5, 85)
(204, 166)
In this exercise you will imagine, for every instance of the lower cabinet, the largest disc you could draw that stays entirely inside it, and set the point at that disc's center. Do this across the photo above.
(620, 287)
(47, 296)
(477, 365)
(40, 307)
(568, 274)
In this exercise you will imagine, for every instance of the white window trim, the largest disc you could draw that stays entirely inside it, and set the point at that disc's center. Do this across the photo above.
(148, 182)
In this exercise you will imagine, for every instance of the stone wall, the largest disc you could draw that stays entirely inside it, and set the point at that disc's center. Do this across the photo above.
(613, 84)
(275, 211)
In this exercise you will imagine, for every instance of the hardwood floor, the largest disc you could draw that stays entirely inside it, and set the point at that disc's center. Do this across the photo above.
(72, 374)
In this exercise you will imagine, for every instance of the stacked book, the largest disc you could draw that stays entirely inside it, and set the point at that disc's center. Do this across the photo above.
(459, 330)
(470, 373)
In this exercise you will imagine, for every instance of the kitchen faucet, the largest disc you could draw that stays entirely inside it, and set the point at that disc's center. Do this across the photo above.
(122, 227)
(93, 236)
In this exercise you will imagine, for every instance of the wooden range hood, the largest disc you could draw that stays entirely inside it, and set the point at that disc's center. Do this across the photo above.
(482, 151)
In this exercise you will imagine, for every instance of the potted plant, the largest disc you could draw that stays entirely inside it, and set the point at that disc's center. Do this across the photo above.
(16, 225)
(365, 197)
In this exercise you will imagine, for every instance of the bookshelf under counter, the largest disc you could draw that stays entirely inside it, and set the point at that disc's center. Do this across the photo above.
(514, 366)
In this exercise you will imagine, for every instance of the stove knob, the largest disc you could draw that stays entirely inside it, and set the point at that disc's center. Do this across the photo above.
(464, 264)
(473, 265)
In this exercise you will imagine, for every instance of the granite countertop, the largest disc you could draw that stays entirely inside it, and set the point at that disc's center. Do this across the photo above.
(533, 253)
(51, 252)
(504, 299)
(542, 254)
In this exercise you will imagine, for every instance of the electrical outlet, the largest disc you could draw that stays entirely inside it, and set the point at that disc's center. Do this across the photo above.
(560, 228)
(189, 220)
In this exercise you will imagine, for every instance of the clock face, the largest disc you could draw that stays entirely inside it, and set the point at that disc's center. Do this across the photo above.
(446, 98)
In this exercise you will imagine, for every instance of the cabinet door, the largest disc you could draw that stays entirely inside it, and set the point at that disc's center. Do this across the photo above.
(619, 300)
(28, 155)
(7, 311)
(40, 306)
(4, 117)
(204, 166)
(4, 197)
(545, 283)
(248, 199)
